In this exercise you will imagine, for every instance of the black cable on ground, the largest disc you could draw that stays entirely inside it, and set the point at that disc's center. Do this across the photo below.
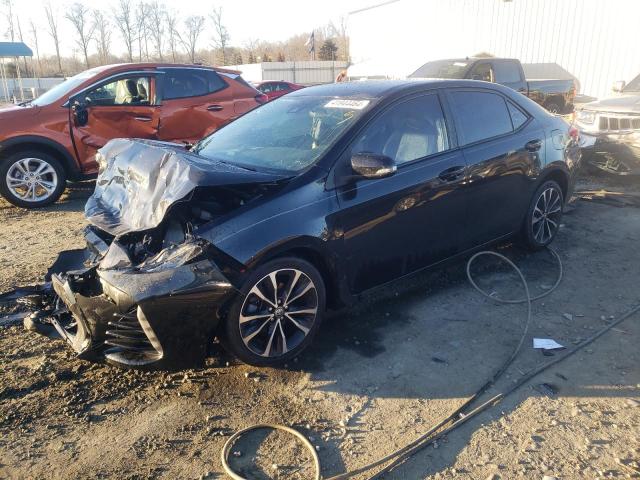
(460, 415)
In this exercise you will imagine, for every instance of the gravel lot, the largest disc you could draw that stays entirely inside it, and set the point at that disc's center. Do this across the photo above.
(378, 375)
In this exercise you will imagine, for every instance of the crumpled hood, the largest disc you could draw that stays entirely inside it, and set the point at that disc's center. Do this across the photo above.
(623, 104)
(140, 179)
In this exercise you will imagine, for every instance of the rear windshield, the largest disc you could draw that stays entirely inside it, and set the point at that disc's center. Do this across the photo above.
(442, 69)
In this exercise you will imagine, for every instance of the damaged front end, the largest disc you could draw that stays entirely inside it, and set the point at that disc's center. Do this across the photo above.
(148, 291)
(163, 311)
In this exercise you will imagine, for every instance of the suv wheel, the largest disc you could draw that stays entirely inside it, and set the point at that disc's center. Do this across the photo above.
(276, 314)
(31, 179)
(544, 215)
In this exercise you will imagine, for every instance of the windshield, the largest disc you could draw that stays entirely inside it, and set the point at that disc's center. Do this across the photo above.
(63, 89)
(288, 134)
(633, 85)
(442, 69)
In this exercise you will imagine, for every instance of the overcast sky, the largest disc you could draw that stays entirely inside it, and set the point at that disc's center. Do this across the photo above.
(244, 19)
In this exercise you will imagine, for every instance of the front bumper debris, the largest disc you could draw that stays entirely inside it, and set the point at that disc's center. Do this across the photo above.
(616, 153)
(161, 313)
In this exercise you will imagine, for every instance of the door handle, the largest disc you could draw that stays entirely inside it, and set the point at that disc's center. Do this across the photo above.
(143, 119)
(533, 145)
(451, 174)
(215, 108)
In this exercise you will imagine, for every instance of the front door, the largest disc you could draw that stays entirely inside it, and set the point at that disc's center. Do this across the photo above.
(120, 108)
(414, 218)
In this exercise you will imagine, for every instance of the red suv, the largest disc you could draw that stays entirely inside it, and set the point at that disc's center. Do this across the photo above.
(54, 138)
(274, 89)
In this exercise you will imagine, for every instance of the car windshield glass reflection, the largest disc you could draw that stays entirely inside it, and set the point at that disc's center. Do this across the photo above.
(289, 134)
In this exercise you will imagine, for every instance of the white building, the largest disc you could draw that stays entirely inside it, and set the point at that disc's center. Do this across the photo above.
(598, 41)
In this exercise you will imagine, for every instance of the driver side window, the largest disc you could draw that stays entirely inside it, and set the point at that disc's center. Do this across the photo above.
(124, 91)
(407, 131)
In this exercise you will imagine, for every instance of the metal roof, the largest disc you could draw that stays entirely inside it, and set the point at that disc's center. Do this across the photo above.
(14, 49)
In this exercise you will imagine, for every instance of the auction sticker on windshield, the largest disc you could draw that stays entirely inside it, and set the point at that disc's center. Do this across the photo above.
(350, 104)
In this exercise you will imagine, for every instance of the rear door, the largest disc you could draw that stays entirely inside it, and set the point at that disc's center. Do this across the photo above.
(123, 106)
(414, 218)
(501, 144)
(195, 102)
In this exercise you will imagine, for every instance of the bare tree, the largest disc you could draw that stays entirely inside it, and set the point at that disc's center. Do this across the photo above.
(78, 15)
(34, 37)
(171, 19)
(142, 27)
(193, 27)
(102, 27)
(52, 21)
(221, 34)
(8, 14)
(125, 23)
(156, 17)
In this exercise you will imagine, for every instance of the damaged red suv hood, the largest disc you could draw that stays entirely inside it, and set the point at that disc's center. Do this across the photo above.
(139, 180)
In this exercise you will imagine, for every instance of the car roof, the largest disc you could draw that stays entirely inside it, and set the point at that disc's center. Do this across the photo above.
(377, 89)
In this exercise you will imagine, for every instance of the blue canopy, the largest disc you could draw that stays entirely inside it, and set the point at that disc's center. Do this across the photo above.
(14, 49)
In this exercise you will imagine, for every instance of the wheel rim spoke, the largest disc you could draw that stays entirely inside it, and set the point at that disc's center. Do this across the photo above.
(304, 290)
(250, 318)
(298, 324)
(267, 350)
(257, 331)
(258, 293)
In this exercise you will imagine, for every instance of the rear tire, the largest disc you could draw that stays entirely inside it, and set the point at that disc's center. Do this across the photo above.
(266, 326)
(543, 217)
(31, 179)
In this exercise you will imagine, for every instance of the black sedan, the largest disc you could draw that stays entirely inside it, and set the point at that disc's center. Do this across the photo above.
(299, 206)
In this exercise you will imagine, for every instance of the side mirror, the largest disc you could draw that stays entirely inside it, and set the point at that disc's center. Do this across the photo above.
(371, 165)
(618, 86)
(80, 112)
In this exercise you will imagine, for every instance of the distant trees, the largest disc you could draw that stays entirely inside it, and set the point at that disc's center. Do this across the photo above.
(149, 31)
(193, 27)
(79, 16)
(125, 22)
(221, 34)
(52, 22)
(102, 36)
(328, 50)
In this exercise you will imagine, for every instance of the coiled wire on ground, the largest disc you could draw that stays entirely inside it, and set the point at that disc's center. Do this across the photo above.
(462, 414)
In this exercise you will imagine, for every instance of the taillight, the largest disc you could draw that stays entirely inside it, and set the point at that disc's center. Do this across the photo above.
(261, 98)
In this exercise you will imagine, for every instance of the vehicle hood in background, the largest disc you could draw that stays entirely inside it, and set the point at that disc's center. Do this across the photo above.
(626, 103)
(139, 180)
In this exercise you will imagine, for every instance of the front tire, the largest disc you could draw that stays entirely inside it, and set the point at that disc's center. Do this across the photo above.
(276, 314)
(31, 179)
(543, 217)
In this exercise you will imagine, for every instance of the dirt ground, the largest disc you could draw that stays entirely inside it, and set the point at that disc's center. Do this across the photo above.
(377, 376)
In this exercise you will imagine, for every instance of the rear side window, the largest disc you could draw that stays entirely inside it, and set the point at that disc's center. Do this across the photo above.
(518, 117)
(407, 131)
(191, 83)
(480, 115)
(506, 72)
